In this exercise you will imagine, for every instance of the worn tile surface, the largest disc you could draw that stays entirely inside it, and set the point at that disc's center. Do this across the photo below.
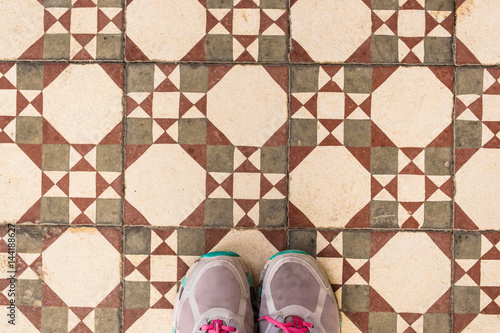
(364, 267)
(371, 147)
(62, 30)
(376, 31)
(226, 126)
(60, 286)
(235, 30)
(137, 135)
(156, 259)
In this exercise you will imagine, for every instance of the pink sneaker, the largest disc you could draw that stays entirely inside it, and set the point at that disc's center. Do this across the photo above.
(216, 296)
(296, 296)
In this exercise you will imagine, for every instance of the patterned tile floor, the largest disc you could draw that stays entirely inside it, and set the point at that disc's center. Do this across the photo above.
(137, 135)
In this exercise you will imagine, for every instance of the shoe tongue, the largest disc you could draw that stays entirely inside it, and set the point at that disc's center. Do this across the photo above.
(290, 319)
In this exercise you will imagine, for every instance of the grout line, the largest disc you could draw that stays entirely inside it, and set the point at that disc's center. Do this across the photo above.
(289, 120)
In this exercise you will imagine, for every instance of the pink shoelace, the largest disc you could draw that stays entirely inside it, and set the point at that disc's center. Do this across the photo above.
(295, 326)
(217, 327)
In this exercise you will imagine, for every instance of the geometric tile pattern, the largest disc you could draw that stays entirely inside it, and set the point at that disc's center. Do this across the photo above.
(64, 30)
(477, 33)
(408, 31)
(63, 125)
(477, 153)
(46, 299)
(356, 263)
(239, 30)
(234, 170)
(156, 259)
(390, 153)
(476, 298)
(137, 135)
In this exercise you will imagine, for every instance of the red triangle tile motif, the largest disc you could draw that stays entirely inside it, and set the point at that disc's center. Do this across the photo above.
(464, 55)
(130, 316)
(460, 321)
(50, 298)
(442, 305)
(378, 240)
(34, 315)
(297, 219)
(279, 138)
(378, 303)
(361, 219)
(132, 216)
(276, 237)
(197, 53)
(133, 52)
(279, 74)
(213, 237)
(34, 152)
(35, 51)
(363, 53)
(196, 218)
(298, 54)
(462, 221)
(33, 214)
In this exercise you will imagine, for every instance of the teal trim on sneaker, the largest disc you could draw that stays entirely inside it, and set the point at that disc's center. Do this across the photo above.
(250, 280)
(220, 253)
(288, 251)
(184, 282)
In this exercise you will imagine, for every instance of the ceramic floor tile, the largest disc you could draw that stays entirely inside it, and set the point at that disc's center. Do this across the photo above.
(374, 274)
(477, 160)
(72, 29)
(476, 282)
(62, 126)
(206, 145)
(239, 30)
(371, 147)
(377, 31)
(60, 285)
(477, 32)
(70, 174)
(157, 259)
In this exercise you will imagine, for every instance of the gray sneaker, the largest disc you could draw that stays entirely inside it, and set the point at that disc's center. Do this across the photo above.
(296, 296)
(215, 296)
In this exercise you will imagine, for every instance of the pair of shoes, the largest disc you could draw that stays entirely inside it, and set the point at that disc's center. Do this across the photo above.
(218, 296)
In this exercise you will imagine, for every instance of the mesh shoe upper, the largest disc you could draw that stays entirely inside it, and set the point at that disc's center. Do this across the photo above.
(215, 296)
(295, 290)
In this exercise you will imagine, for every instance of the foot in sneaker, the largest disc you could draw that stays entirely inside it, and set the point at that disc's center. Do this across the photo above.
(296, 296)
(215, 296)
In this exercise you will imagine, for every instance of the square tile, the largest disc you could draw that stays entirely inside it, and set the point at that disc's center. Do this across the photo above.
(233, 169)
(365, 287)
(374, 161)
(68, 147)
(52, 295)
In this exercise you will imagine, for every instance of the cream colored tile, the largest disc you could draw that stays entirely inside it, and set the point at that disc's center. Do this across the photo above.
(330, 186)
(247, 105)
(426, 274)
(160, 36)
(315, 25)
(164, 193)
(412, 107)
(21, 189)
(22, 26)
